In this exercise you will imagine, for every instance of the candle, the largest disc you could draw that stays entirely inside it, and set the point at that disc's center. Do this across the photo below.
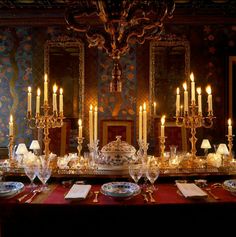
(29, 99)
(155, 108)
(140, 123)
(177, 102)
(95, 123)
(11, 126)
(91, 125)
(61, 101)
(38, 101)
(209, 99)
(185, 97)
(192, 88)
(46, 88)
(163, 126)
(144, 124)
(80, 128)
(229, 127)
(199, 99)
(54, 98)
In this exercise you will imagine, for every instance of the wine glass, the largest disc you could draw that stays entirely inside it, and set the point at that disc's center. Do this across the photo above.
(136, 172)
(44, 173)
(30, 171)
(152, 173)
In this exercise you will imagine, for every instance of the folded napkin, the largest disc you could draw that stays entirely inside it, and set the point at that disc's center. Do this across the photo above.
(190, 190)
(78, 191)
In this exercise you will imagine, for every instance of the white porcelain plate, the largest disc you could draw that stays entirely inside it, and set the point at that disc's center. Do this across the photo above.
(10, 188)
(230, 185)
(120, 189)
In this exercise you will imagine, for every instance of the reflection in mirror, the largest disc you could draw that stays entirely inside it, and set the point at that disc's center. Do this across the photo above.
(64, 64)
(169, 68)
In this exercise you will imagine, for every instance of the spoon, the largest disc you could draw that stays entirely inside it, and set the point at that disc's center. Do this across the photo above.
(35, 192)
(96, 196)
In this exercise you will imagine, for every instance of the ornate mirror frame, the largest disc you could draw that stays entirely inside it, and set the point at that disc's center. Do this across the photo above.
(70, 43)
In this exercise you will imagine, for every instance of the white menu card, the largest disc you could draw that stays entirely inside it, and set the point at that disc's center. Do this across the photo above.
(78, 191)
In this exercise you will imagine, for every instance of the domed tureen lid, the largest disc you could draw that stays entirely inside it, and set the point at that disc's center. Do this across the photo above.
(118, 146)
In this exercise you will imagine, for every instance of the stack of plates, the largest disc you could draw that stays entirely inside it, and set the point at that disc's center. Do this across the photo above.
(230, 185)
(9, 189)
(120, 189)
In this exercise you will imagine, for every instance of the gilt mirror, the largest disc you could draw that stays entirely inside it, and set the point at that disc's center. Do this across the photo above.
(169, 68)
(64, 64)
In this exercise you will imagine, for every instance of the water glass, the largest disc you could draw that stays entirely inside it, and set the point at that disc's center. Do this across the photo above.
(152, 173)
(44, 173)
(136, 171)
(31, 171)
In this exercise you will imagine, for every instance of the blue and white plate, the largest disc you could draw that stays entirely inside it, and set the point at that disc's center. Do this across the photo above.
(120, 189)
(230, 185)
(10, 188)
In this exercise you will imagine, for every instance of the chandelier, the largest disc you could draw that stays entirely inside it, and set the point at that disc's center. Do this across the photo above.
(112, 25)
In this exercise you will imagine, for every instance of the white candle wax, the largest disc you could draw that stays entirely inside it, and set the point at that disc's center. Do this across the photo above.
(29, 99)
(177, 102)
(45, 88)
(95, 123)
(11, 126)
(185, 98)
(199, 98)
(209, 99)
(192, 87)
(230, 127)
(54, 98)
(91, 125)
(38, 101)
(140, 137)
(80, 128)
(61, 101)
(144, 124)
(162, 126)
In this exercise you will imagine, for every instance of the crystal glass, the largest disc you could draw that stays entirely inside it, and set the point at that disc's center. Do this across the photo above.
(31, 171)
(152, 173)
(136, 171)
(44, 173)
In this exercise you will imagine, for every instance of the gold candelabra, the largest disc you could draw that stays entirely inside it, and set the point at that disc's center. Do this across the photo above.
(162, 149)
(45, 122)
(10, 150)
(230, 145)
(194, 120)
(79, 147)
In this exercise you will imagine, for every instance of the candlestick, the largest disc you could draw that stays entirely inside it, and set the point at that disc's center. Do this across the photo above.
(13, 162)
(229, 127)
(29, 100)
(177, 102)
(80, 128)
(144, 123)
(140, 123)
(181, 110)
(230, 145)
(154, 108)
(162, 149)
(11, 126)
(91, 124)
(185, 98)
(199, 100)
(79, 147)
(95, 123)
(46, 88)
(163, 126)
(54, 98)
(38, 101)
(209, 99)
(192, 87)
(61, 101)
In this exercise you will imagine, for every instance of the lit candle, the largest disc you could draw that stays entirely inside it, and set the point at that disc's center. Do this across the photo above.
(144, 124)
(229, 127)
(91, 125)
(38, 101)
(95, 123)
(185, 97)
(11, 126)
(155, 108)
(140, 123)
(80, 128)
(54, 98)
(29, 99)
(209, 99)
(192, 88)
(163, 126)
(46, 88)
(177, 102)
(61, 101)
(199, 99)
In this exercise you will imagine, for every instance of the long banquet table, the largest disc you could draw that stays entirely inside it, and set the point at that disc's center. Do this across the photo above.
(50, 212)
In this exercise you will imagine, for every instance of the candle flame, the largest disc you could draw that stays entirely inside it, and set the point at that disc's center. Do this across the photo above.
(140, 108)
(29, 89)
(45, 77)
(191, 77)
(96, 109)
(208, 90)
(80, 122)
(154, 104)
(185, 86)
(54, 88)
(177, 90)
(11, 118)
(199, 90)
(144, 106)
(91, 108)
(61, 91)
(163, 120)
(229, 122)
(38, 92)
(181, 106)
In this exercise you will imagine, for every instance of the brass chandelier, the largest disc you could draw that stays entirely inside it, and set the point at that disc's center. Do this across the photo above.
(112, 25)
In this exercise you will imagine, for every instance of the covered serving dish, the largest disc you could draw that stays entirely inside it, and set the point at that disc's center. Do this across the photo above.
(117, 154)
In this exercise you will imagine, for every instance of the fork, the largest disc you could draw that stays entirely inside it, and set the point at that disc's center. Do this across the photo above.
(150, 192)
(35, 192)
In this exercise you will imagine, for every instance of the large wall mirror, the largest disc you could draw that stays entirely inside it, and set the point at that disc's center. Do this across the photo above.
(169, 68)
(64, 64)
